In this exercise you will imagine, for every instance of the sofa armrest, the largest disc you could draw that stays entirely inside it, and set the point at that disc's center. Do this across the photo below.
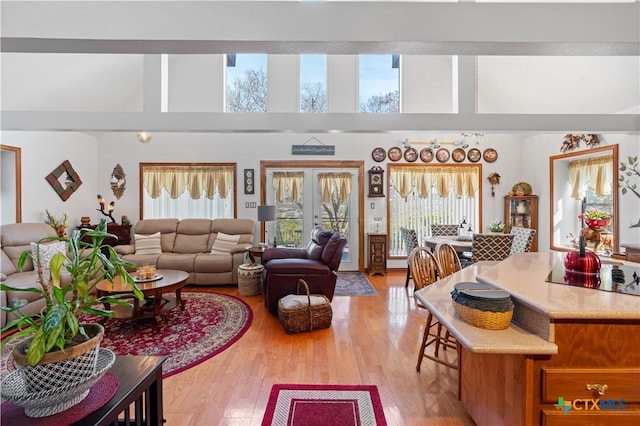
(125, 249)
(283, 253)
(241, 248)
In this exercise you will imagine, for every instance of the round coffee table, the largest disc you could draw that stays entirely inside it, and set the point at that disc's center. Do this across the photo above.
(168, 281)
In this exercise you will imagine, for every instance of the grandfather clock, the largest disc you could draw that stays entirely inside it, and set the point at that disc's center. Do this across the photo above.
(376, 182)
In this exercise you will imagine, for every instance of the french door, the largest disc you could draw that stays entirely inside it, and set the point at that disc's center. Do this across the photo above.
(309, 196)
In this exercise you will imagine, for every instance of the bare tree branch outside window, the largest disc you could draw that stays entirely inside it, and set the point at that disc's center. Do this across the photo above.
(313, 98)
(248, 93)
(388, 102)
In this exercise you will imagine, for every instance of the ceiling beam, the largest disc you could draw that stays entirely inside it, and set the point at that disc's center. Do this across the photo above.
(315, 123)
(320, 27)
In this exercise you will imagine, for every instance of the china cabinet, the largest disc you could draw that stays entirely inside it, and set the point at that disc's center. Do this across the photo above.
(522, 211)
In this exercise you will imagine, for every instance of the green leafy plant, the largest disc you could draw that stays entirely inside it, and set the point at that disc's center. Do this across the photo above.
(594, 214)
(58, 324)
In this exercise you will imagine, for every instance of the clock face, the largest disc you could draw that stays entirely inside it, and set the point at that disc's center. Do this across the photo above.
(376, 178)
(375, 188)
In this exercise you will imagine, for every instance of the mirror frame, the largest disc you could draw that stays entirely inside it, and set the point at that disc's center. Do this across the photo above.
(603, 150)
(18, 178)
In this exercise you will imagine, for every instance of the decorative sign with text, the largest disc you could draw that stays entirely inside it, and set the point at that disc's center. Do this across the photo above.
(313, 150)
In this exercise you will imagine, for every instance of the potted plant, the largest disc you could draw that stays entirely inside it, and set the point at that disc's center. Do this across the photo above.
(56, 332)
(595, 219)
(497, 227)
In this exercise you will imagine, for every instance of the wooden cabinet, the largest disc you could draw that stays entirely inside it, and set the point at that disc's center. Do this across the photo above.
(123, 232)
(522, 211)
(377, 253)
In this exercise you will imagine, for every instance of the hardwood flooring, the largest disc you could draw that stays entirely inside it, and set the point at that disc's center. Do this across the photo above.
(372, 340)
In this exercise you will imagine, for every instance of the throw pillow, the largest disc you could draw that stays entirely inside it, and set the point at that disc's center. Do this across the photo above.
(47, 251)
(224, 243)
(148, 244)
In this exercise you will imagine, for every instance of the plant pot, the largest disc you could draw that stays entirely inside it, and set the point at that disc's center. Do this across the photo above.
(59, 368)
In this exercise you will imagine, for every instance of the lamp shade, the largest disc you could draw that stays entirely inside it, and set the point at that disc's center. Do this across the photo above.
(266, 213)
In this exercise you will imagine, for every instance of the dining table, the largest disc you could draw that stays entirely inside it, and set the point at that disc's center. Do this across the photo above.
(460, 245)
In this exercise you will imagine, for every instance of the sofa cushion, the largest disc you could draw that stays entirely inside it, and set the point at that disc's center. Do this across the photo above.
(331, 247)
(205, 263)
(6, 265)
(148, 244)
(47, 251)
(179, 261)
(224, 243)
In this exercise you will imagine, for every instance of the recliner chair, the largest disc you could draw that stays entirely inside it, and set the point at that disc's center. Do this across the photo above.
(316, 264)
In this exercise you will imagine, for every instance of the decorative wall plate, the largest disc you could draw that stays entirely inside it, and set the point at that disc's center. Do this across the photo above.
(410, 154)
(442, 155)
(426, 155)
(394, 154)
(458, 155)
(490, 155)
(379, 154)
(474, 155)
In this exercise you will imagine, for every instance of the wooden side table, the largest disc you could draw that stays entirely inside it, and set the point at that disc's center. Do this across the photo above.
(123, 232)
(377, 253)
(256, 252)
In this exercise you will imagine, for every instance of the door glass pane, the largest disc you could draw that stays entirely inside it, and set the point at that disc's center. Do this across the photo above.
(336, 215)
(289, 224)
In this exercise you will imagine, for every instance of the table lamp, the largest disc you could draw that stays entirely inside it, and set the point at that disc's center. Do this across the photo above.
(267, 214)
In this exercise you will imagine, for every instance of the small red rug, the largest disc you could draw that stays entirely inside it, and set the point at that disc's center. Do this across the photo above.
(210, 323)
(324, 405)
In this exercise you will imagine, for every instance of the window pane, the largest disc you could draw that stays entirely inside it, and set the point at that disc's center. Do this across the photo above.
(185, 207)
(379, 84)
(313, 83)
(289, 221)
(246, 83)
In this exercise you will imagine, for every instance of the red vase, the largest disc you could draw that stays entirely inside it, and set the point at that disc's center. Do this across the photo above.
(587, 264)
(596, 223)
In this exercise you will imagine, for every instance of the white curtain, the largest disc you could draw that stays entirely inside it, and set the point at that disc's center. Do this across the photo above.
(288, 181)
(462, 181)
(210, 180)
(338, 182)
(595, 173)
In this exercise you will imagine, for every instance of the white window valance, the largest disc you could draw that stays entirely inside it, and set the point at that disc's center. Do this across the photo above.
(462, 181)
(338, 182)
(288, 181)
(196, 179)
(593, 172)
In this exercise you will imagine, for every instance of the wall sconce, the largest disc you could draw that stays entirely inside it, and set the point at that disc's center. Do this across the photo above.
(144, 137)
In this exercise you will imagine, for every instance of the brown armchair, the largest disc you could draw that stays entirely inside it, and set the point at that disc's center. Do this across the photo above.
(316, 264)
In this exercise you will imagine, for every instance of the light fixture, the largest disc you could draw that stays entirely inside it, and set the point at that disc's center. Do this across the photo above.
(144, 137)
(267, 214)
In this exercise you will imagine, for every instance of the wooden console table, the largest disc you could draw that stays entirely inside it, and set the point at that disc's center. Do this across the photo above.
(123, 232)
(141, 385)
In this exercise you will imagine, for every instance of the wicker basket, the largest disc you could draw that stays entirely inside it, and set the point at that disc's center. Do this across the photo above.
(305, 318)
(483, 319)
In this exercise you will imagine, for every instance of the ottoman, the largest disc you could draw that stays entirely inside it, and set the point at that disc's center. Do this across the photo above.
(250, 279)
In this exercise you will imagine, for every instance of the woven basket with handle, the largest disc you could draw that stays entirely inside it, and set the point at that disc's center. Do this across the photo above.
(308, 317)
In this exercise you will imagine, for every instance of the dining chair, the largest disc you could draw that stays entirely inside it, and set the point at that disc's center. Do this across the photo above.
(444, 230)
(491, 246)
(410, 239)
(425, 269)
(448, 259)
(522, 239)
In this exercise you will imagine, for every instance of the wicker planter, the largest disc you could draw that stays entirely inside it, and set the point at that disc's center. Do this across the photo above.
(60, 368)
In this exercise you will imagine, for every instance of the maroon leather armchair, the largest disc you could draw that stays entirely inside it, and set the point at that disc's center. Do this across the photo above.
(316, 264)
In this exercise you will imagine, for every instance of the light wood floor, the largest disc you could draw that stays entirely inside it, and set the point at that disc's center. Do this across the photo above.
(372, 340)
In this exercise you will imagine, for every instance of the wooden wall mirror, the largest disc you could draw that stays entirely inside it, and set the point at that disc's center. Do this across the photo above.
(10, 184)
(572, 192)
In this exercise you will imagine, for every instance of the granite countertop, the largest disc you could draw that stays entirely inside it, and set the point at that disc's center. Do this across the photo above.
(538, 303)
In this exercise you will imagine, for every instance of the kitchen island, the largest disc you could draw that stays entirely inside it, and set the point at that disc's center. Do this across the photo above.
(562, 340)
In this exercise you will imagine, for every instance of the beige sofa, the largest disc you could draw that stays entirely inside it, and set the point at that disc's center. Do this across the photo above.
(186, 246)
(15, 239)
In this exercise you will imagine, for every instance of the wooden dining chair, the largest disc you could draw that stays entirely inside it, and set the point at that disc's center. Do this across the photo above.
(410, 239)
(447, 258)
(491, 246)
(425, 269)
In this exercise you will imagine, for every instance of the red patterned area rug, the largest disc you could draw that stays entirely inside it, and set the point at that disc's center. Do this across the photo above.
(324, 405)
(210, 323)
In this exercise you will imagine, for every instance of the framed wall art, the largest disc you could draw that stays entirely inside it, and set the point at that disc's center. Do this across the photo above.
(249, 181)
(64, 180)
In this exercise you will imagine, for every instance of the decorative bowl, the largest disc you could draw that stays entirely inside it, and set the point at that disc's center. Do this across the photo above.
(597, 223)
